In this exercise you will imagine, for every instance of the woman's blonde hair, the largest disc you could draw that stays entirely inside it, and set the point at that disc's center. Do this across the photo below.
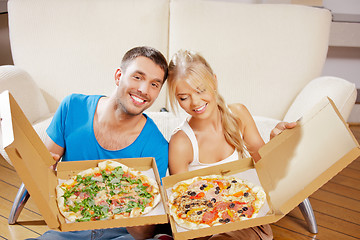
(195, 69)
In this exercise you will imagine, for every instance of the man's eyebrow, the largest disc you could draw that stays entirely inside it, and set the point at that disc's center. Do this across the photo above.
(140, 72)
(161, 81)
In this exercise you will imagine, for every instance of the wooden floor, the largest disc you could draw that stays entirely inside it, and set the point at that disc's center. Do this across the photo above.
(336, 206)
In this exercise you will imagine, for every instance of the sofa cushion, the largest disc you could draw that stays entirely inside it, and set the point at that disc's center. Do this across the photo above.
(79, 44)
(262, 54)
(166, 122)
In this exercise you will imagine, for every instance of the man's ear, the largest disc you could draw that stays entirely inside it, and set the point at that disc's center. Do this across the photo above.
(118, 74)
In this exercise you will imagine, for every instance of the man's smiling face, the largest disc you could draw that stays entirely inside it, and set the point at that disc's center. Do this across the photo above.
(138, 85)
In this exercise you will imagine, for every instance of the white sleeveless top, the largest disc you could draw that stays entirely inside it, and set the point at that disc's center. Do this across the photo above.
(196, 164)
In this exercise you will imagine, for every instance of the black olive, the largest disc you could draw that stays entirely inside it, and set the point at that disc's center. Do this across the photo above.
(234, 181)
(204, 185)
(193, 194)
(244, 209)
(201, 188)
(210, 205)
(240, 211)
(221, 220)
(199, 212)
(232, 205)
(189, 192)
(187, 211)
(227, 220)
(228, 187)
(213, 200)
(218, 188)
(187, 206)
(242, 215)
(246, 194)
(217, 192)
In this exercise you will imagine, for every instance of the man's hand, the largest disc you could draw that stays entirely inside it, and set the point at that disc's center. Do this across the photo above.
(56, 157)
(280, 127)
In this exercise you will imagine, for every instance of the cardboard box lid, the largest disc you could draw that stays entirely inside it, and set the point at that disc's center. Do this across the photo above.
(21, 142)
(300, 160)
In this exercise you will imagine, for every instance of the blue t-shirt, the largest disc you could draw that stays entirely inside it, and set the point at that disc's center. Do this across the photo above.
(72, 129)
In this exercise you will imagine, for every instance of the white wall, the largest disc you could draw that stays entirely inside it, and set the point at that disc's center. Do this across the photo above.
(343, 6)
(344, 62)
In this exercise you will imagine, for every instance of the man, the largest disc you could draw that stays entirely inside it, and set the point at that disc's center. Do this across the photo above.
(98, 127)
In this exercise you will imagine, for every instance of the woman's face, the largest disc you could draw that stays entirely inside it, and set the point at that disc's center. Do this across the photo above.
(196, 101)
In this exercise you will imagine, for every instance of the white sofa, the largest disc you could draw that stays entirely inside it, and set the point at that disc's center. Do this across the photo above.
(267, 56)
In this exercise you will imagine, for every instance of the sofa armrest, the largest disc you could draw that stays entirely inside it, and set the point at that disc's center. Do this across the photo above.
(25, 91)
(40, 128)
(341, 91)
(28, 96)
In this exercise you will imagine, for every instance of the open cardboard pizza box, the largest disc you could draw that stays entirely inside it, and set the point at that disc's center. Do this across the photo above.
(294, 165)
(32, 160)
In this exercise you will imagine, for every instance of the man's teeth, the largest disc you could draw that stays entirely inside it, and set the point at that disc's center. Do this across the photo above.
(139, 100)
(200, 109)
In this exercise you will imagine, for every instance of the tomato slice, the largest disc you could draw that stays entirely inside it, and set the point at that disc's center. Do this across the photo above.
(198, 196)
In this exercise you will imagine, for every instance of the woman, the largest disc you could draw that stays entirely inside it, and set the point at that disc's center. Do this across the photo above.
(214, 133)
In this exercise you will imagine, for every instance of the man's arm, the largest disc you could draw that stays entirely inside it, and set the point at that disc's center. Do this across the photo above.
(55, 150)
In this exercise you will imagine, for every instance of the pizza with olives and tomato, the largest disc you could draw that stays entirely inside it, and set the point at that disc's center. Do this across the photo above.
(214, 200)
(109, 191)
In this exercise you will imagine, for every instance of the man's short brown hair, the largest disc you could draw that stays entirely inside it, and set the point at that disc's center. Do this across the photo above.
(153, 54)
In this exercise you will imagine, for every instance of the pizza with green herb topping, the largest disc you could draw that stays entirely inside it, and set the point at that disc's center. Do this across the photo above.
(109, 191)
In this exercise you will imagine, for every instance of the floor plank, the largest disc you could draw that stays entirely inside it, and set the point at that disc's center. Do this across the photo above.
(9, 176)
(326, 221)
(296, 228)
(15, 232)
(336, 200)
(281, 233)
(355, 165)
(351, 173)
(27, 218)
(347, 181)
(342, 190)
(336, 211)
(9, 192)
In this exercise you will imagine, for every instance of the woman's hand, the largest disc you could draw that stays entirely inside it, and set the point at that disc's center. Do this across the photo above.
(280, 127)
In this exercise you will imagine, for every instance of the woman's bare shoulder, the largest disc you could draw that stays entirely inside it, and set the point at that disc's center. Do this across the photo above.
(240, 110)
(180, 143)
(180, 153)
